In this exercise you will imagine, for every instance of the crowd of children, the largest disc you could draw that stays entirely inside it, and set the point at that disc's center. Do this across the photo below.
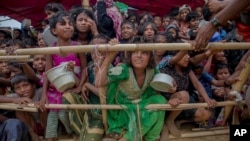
(199, 76)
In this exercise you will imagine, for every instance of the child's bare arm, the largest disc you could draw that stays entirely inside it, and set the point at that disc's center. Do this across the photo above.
(101, 75)
(178, 57)
(30, 73)
(201, 90)
(92, 88)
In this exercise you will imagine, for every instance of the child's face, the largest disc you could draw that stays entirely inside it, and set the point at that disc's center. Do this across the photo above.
(132, 19)
(39, 62)
(143, 19)
(49, 14)
(157, 21)
(127, 31)
(194, 23)
(4, 68)
(220, 56)
(199, 11)
(140, 59)
(183, 14)
(97, 41)
(198, 72)
(24, 89)
(40, 40)
(184, 61)
(82, 24)
(165, 21)
(16, 34)
(173, 32)
(64, 30)
(222, 74)
(149, 33)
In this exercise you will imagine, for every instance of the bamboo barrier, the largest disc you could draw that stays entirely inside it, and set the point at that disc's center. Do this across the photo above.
(124, 47)
(16, 107)
(201, 133)
(16, 58)
(149, 107)
(114, 107)
(167, 107)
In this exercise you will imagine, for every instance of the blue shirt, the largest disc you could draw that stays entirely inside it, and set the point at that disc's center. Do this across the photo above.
(205, 80)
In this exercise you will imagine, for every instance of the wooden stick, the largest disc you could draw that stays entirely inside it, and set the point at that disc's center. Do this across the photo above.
(12, 106)
(149, 107)
(102, 93)
(15, 57)
(119, 107)
(201, 133)
(125, 47)
(244, 74)
(208, 129)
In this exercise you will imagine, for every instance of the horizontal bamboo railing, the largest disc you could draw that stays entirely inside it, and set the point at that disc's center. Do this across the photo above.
(167, 107)
(124, 47)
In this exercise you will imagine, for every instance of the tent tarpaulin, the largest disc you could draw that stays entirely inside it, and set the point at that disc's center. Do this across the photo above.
(34, 9)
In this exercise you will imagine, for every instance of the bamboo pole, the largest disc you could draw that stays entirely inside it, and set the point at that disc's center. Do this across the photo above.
(202, 133)
(102, 93)
(15, 57)
(119, 107)
(124, 47)
(212, 128)
(244, 74)
(149, 107)
(12, 106)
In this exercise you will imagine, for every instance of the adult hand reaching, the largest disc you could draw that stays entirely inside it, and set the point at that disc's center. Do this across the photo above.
(205, 33)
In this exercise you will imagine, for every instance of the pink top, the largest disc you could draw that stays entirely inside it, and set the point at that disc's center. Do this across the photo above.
(54, 96)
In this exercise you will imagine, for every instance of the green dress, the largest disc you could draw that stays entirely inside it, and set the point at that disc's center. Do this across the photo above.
(135, 122)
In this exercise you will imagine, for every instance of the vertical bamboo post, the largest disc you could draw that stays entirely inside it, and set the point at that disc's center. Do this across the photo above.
(102, 95)
(244, 74)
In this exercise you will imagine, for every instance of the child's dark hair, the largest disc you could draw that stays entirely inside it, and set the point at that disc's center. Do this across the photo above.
(15, 64)
(58, 18)
(19, 78)
(191, 15)
(101, 36)
(196, 67)
(129, 23)
(174, 12)
(54, 7)
(192, 34)
(131, 14)
(163, 34)
(29, 42)
(149, 17)
(220, 66)
(139, 40)
(206, 13)
(14, 42)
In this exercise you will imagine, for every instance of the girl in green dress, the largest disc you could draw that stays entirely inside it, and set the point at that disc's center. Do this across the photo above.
(128, 84)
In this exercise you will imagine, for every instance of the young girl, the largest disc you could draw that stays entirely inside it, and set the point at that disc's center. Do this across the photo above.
(178, 67)
(39, 62)
(148, 30)
(128, 84)
(62, 27)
